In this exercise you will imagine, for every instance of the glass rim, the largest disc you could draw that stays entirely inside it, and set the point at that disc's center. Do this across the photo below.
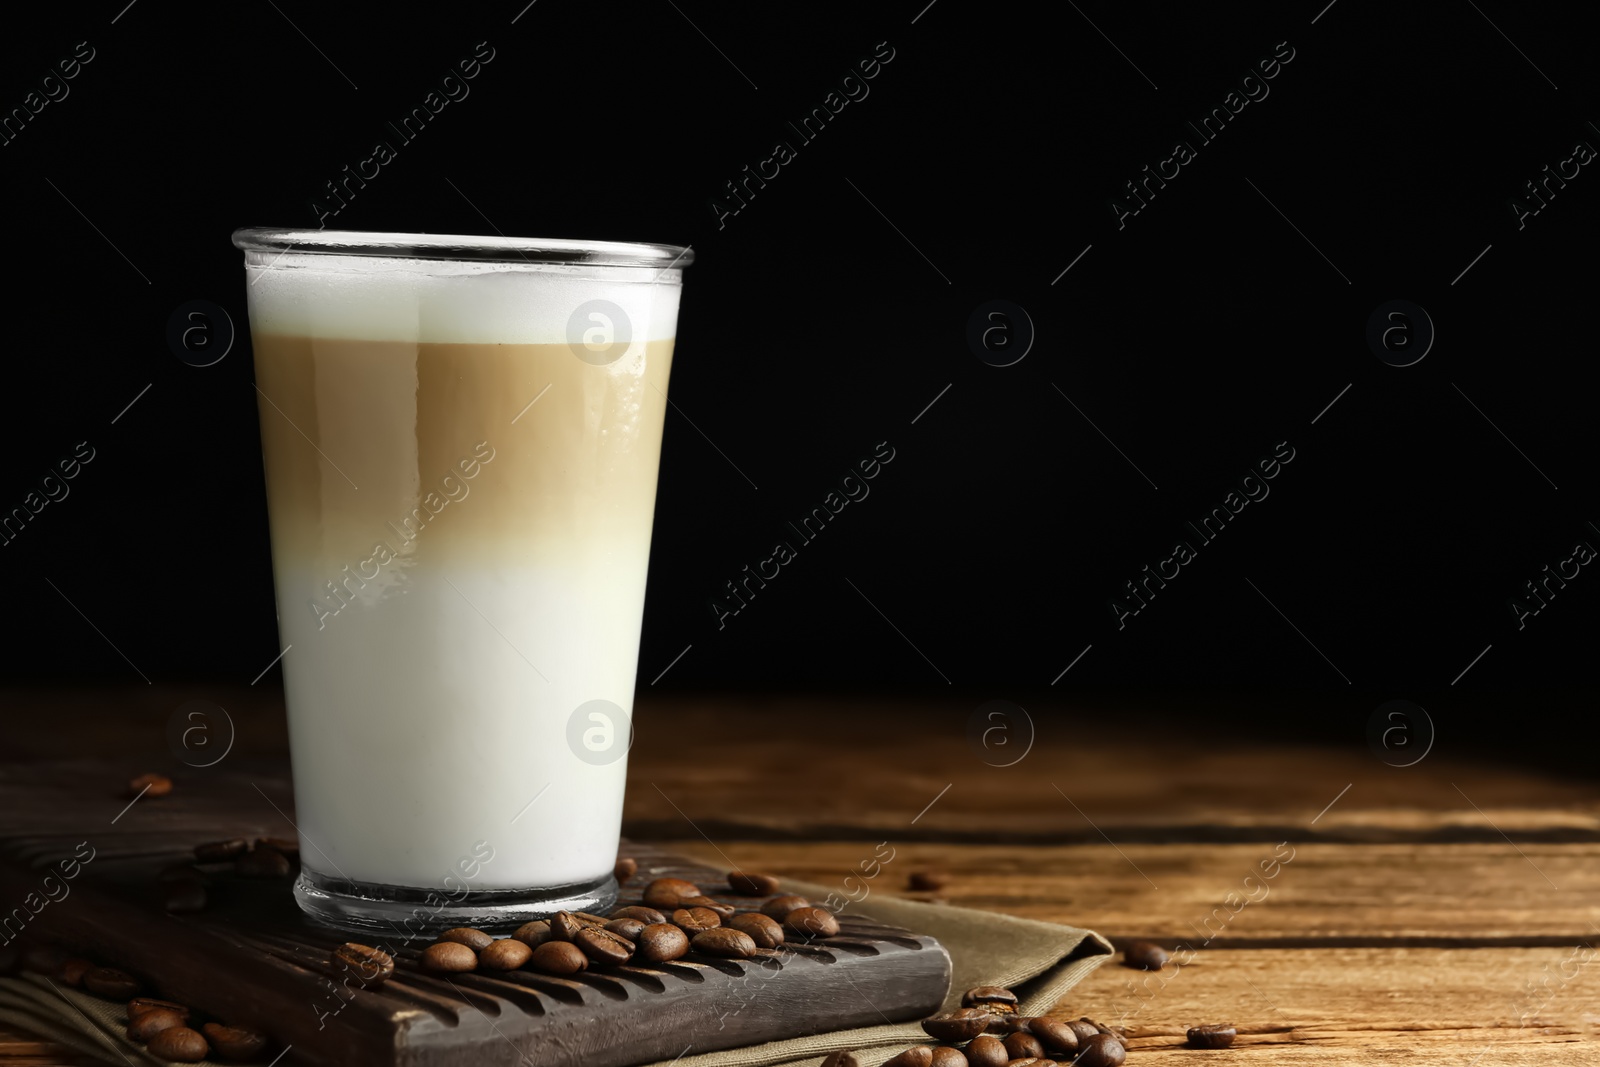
(462, 247)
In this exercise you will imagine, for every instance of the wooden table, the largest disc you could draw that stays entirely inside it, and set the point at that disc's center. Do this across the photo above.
(1443, 913)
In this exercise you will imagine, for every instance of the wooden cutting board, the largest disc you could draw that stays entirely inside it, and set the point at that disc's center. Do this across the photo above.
(252, 959)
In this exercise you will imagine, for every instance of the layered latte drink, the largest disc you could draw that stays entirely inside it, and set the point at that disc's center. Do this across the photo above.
(461, 441)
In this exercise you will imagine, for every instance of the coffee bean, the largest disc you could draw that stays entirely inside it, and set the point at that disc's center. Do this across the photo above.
(73, 969)
(1101, 1028)
(1020, 1045)
(235, 1042)
(506, 954)
(811, 922)
(152, 1022)
(564, 926)
(957, 1026)
(109, 982)
(1001, 1025)
(745, 884)
(944, 1056)
(927, 881)
(558, 958)
(1215, 1035)
(660, 942)
(1101, 1050)
(151, 785)
(915, 1056)
(724, 911)
(1144, 956)
(1057, 1037)
(362, 965)
(991, 998)
(449, 957)
(179, 1043)
(221, 851)
(987, 1051)
(726, 942)
(628, 928)
(626, 868)
(1084, 1031)
(475, 939)
(780, 907)
(603, 946)
(764, 930)
(667, 892)
(184, 896)
(139, 1005)
(289, 846)
(263, 862)
(842, 1058)
(589, 918)
(533, 934)
(693, 920)
(648, 916)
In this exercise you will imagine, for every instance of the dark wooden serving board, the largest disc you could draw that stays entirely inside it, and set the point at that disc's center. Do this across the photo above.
(251, 958)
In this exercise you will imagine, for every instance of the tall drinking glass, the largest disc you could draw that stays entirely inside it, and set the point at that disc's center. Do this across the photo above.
(461, 440)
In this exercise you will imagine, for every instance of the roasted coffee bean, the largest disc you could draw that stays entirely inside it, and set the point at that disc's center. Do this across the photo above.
(628, 928)
(476, 940)
(221, 851)
(110, 982)
(764, 930)
(184, 896)
(1084, 1031)
(668, 892)
(1214, 1035)
(1001, 1025)
(915, 1056)
(1058, 1038)
(289, 846)
(533, 934)
(72, 970)
(626, 868)
(1022, 1044)
(660, 942)
(842, 1058)
(362, 965)
(745, 884)
(589, 918)
(780, 907)
(564, 926)
(1144, 956)
(726, 942)
(986, 1051)
(151, 785)
(991, 998)
(693, 920)
(724, 911)
(1101, 1028)
(179, 1043)
(449, 957)
(927, 881)
(235, 1042)
(1101, 1050)
(152, 1022)
(944, 1056)
(139, 1005)
(506, 954)
(811, 922)
(957, 1026)
(603, 946)
(558, 958)
(648, 916)
(263, 862)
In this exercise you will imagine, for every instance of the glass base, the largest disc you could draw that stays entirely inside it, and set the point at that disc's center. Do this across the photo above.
(400, 911)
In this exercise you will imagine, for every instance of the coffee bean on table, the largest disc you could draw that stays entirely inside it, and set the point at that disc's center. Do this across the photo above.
(927, 881)
(603, 946)
(668, 892)
(184, 896)
(915, 1056)
(72, 970)
(564, 926)
(263, 862)
(945, 1056)
(746, 884)
(628, 928)
(957, 1026)
(780, 907)
(986, 1051)
(693, 920)
(726, 942)
(179, 1043)
(139, 1005)
(221, 851)
(724, 911)
(362, 965)
(110, 982)
(626, 868)
(473, 938)
(289, 846)
(1101, 1050)
(235, 1042)
(1057, 1037)
(151, 785)
(661, 942)
(1214, 1035)
(991, 998)
(842, 1058)
(1144, 956)
(1001, 1025)
(1101, 1028)
(811, 922)
(533, 934)
(150, 1023)
(558, 958)
(589, 918)
(1020, 1045)
(449, 957)
(505, 954)
(648, 916)
(764, 930)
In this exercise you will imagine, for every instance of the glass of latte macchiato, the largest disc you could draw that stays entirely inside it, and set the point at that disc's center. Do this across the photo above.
(461, 440)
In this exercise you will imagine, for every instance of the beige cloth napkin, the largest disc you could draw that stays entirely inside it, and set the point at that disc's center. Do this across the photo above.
(1039, 960)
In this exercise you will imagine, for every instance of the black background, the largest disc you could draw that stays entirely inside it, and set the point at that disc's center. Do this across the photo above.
(826, 315)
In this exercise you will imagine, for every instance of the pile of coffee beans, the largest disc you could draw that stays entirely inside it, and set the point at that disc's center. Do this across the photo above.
(991, 1033)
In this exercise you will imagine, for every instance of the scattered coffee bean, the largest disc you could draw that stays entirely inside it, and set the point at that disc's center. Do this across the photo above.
(221, 851)
(692, 920)
(263, 862)
(110, 982)
(533, 934)
(764, 930)
(626, 868)
(668, 892)
(603, 946)
(589, 918)
(944, 1056)
(179, 1043)
(987, 1051)
(1058, 1038)
(842, 1058)
(564, 926)
(235, 1042)
(72, 970)
(558, 958)
(927, 881)
(1214, 1035)
(151, 785)
(660, 942)
(957, 1026)
(449, 957)
(915, 1056)
(780, 907)
(184, 896)
(648, 916)
(724, 911)
(726, 942)
(1084, 1031)
(745, 884)
(476, 940)
(139, 1005)
(506, 954)
(1022, 1044)
(362, 965)
(628, 928)
(152, 1022)
(811, 922)
(1101, 1050)
(1144, 955)
(991, 998)
(1001, 1025)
